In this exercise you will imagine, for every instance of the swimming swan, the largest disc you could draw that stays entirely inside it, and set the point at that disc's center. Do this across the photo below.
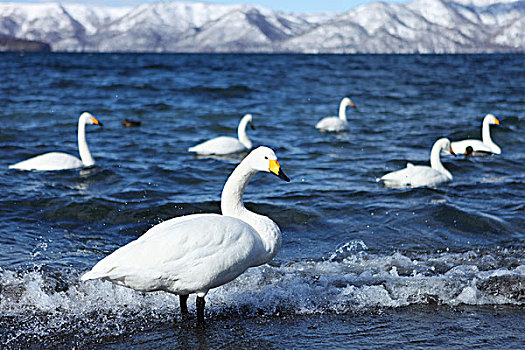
(336, 124)
(62, 161)
(226, 145)
(422, 175)
(195, 253)
(478, 147)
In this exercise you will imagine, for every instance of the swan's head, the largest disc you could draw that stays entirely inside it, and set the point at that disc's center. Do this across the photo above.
(88, 118)
(491, 119)
(347, 102)
(248, 119)
(264, 159)
(444, 144)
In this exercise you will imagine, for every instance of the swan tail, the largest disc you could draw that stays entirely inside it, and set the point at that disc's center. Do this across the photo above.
(115, 275)
(93, 275)
(102, 271)
(197, 149)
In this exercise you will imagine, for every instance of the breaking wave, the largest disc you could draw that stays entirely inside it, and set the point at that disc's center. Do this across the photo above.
(41, 302)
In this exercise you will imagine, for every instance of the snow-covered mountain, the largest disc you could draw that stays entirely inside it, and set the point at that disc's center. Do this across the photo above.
(421, 26)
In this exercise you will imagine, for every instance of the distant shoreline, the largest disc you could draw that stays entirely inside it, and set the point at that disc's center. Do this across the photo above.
(262, 53)
(8, 44)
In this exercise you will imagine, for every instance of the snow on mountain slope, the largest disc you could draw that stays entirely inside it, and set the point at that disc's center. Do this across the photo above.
(177, 16)
(481, 3)
(424, 26)
(43, 22)
(233, 32)
(513, 35)
(95, 17)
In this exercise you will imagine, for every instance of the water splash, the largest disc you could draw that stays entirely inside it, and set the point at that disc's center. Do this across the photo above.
(40, 303)
(348, 248)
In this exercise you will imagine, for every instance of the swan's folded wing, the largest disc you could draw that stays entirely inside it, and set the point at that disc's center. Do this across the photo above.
(207, 250)
(413, 176)
(426, 176)
(331, 124)
(219, 145)
(399, 178)
(171, 224)
(48, 162)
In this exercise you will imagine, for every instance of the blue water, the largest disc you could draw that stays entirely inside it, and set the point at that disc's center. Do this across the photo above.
(360, 266)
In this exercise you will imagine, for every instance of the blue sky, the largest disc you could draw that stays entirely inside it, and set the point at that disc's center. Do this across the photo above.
(284, 5)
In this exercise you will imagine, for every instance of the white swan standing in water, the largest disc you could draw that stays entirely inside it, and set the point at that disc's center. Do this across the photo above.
(336, 124)
(422, 175)
(62, 161)
(195, 253)
(226, 145)
(479, 147)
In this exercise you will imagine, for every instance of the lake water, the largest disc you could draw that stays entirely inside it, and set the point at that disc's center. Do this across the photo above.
(361, 266)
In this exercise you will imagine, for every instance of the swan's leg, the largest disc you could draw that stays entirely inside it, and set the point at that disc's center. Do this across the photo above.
(183, 305)
(200, 309)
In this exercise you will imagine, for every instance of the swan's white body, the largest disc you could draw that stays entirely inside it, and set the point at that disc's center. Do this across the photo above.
(195, 253)
(336, 124)
(185, 255)
(62, 161)
(421, 175)
(484, 146)
(225, 144)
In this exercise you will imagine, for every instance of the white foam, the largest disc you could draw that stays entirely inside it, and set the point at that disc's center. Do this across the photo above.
(358, 282)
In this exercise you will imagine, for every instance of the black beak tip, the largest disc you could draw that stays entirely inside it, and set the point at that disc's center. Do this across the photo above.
(252, 126)
(283, 176)
(100, 124)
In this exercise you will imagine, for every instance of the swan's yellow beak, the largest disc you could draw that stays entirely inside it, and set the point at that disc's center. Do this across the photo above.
(496, 121)
(352, 104)
(96, 122)
(275, 168)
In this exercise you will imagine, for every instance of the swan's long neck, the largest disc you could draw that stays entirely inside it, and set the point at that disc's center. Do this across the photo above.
(232, 205)
(485, 136)
(233, 191)
(342, 110)
(83, 149)
(241, 133)
(435, 161)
